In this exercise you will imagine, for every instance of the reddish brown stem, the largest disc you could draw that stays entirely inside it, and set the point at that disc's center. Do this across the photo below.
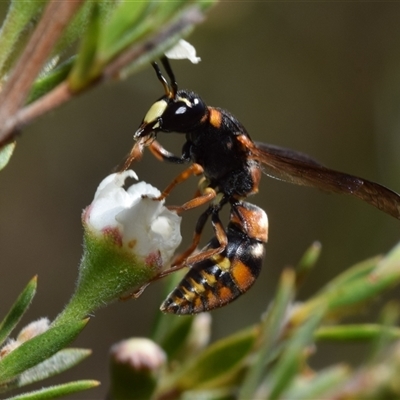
(55, 18)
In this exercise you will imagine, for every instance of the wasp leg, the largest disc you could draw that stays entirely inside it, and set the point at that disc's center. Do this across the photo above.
(198, 201)
(184, 259)
(180, 259)
(164, 155)
(135, 294)
(194, 169)
(221, 237)
(135, 154)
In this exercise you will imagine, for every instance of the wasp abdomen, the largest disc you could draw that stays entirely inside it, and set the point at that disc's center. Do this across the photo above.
(217, 281)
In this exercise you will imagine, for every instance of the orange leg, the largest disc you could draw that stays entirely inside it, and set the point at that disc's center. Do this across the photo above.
(220, 235)
(198, 201)
(135, 154)
(164, 155)
(201, 222)
(194, 169)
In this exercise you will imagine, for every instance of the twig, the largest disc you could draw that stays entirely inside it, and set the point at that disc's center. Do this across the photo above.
(50, 27)
(62, 93)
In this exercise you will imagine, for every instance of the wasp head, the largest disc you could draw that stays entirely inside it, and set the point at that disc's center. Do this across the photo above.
(180, 114)
(177, 111)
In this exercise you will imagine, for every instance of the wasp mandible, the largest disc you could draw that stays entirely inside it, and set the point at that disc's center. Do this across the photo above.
(219, 148)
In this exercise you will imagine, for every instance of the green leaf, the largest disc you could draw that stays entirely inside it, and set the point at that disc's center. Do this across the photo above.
(83, 71)
(16, 28)
(50, 80)
(319, 386)
(354, 332)
(223, 393)
(81, 21)
(128, 21)
(293, 356)
(5, 154)
(54, 392)
(389, 318)
(58, 363)
(307, 262)
(390, 265)
(175, 338)
(352, 295)
(353, 288)
(271, 330)
(357, 271)
(17, 310)
(216, 365)
(38, 349)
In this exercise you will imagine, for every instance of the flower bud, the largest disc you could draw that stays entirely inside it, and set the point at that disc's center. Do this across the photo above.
(135, 364)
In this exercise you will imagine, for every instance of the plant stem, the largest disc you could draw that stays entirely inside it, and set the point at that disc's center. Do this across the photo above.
(55, 18)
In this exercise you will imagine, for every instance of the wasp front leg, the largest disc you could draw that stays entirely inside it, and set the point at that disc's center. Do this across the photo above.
(194, 169)
(163, 154)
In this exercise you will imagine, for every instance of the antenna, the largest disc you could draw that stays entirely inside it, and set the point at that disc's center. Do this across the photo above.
(172, 88)
(163, 81)
(167, 66)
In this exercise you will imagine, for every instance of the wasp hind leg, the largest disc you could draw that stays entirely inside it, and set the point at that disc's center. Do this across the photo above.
(200, 289)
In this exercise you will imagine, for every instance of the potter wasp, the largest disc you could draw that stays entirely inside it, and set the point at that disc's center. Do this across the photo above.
(219, 149)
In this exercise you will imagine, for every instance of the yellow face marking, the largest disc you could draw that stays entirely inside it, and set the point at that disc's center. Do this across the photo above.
(184, 100)
(156, 110)
(215, 117)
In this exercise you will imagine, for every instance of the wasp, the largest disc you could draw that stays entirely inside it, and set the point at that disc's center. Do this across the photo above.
(219, 149)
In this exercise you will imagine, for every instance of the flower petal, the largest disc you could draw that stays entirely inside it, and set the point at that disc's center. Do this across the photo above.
(183, 50)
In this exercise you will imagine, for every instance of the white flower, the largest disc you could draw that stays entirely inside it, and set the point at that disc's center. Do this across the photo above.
(183, 50)
(141, 225)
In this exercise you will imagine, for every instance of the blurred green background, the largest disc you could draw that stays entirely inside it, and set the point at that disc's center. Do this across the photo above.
(319, 77)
